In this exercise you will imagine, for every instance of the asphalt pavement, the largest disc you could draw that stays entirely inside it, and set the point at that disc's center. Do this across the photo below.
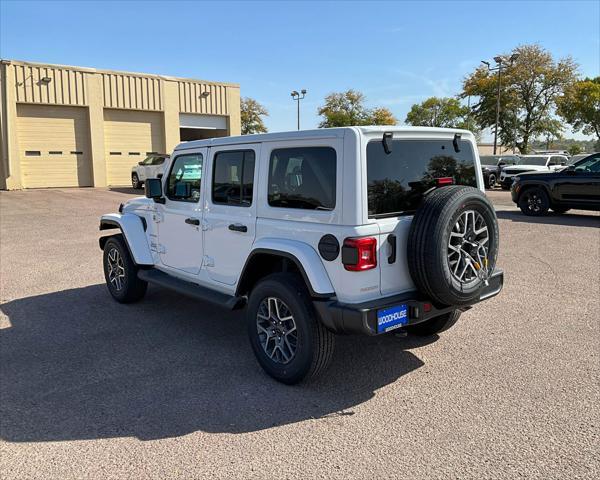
(169, 388)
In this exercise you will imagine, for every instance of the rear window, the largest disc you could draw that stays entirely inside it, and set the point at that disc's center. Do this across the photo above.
(396, 182)
(303, 178)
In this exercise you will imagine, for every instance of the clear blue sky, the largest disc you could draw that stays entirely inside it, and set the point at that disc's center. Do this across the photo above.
(397, 53)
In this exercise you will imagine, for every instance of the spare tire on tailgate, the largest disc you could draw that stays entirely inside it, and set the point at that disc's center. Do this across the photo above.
(453, 244)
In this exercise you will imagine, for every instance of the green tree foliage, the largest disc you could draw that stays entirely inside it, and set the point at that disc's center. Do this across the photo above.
(439, 112)
(575, 149)
(530, 88)
(580, 106)
(344, 109)
(251, 113)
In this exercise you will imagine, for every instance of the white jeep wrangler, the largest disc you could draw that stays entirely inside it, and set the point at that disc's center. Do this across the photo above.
(314, 233)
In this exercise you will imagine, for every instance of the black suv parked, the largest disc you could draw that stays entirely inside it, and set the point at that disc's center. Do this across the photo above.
(577, 186)
(491, 165)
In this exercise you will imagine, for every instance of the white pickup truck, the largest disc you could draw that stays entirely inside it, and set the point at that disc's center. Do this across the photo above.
(532, 163)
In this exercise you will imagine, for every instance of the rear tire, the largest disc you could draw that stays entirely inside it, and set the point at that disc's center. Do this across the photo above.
(434, 325)
(120, 272)
(534, 202)
(288, 340)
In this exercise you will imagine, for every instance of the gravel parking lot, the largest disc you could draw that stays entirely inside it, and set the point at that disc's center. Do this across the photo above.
(169, 388)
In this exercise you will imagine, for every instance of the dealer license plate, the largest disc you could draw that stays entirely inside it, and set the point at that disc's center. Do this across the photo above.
(391, 318)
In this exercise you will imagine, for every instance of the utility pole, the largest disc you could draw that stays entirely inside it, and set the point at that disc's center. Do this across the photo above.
(297, 97)
(498, 68)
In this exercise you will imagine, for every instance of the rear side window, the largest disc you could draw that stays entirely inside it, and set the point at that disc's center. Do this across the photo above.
(233, 178)
(303, 177)
(396, 182)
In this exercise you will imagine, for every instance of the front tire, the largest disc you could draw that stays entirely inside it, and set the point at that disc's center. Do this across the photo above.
(288, 340)
(491, 181)
(534, 202)
(120, 272)
(434, 325)
(560, 210)
(135, 181)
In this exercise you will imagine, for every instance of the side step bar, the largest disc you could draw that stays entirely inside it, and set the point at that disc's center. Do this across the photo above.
(191, 289)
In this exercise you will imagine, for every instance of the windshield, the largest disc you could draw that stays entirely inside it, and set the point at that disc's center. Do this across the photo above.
(489, 160)
(396, 182)
(576, 158)
(534, 160)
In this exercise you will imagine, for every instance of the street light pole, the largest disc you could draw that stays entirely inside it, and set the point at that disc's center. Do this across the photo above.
(499, 61)
(297, 97)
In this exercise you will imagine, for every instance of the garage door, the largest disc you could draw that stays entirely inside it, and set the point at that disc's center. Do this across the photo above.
(54, 146)
(129, 137)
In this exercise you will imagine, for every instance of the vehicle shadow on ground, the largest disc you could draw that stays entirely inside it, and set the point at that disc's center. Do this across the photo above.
(569, 219)
(76, 365)
(127, 190)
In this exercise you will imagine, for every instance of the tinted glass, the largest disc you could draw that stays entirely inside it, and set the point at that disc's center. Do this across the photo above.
(303, 178)
(185, 176)
(534, 160)
(233, 178)
(158, 161)
(148, 160)
(488, 160)
(589, 164)
(396, 182)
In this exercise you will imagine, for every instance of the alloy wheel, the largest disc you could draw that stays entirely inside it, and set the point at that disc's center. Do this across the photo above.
(116, 269)
(277, 331)
(468, 247)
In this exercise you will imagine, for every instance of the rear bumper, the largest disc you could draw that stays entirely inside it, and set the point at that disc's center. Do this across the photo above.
(361, 318)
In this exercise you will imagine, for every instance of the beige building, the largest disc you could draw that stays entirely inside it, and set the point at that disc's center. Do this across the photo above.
(488, 149)
(67, 126)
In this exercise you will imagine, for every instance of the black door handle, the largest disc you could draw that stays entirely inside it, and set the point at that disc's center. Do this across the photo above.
(391, 239)
(238, 228)
(192, 221)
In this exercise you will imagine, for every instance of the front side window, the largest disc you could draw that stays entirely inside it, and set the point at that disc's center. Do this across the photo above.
(158, 160)
(303, 177)
(397, 181)
(183, 184)
(148, 160)
(541, 161)
(233, 178)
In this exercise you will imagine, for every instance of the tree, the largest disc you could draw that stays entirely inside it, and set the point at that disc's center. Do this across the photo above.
(439, 112)
(251, 113)
(580, 106)
(530, 87)
(575, 149)
(344, 109)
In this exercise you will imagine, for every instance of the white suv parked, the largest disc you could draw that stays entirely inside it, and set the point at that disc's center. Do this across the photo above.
(532, 163)
(151, 167)
(315, 233)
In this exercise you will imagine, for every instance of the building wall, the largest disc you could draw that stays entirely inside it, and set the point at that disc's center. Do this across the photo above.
(488, 149)
(94, 90)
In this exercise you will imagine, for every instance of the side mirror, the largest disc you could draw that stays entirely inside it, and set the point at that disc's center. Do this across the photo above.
(563, 163)
(141, 163)
(153, 189)
(501, 164)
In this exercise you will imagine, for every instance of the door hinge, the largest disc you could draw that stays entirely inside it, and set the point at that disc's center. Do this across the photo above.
(157, 247)
(208, 261)
(206, 225)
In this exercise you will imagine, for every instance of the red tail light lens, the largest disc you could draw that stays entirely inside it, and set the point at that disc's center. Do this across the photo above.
(440, 182)
(359, 254)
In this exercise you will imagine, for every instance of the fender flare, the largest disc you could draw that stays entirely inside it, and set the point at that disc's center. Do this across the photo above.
(303, 255)
(134, 232)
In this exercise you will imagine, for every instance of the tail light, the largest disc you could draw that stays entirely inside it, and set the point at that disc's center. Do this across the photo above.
(359, 254)
(440, 182)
